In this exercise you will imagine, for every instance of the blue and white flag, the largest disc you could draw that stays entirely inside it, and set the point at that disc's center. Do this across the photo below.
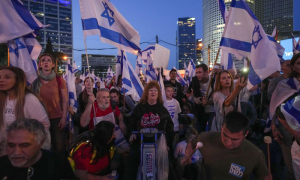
(16, 20)
(150, 70)
(119, 66)
(70, 74)
(180, 79)
(244, 36)
(100, 17)
(227, 61)
(191, 71)
(226, 58)
(149, 50)
(296, 46)
(109, 74)
(34, 48)
(130, 81)
(223, 10)
(138, 66)
(70, 80)
(162, 86)
(276, 45)
(20, 57)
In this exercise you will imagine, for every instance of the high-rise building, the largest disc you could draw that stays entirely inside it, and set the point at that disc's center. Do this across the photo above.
(99, 64)
(186, 36)
(213, 26)
(279, 14)
(57, 13)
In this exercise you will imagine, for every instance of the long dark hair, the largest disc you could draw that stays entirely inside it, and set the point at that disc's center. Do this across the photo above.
(99, 139)
(20, 90)
(84, 92)
(293, 61)
(118, 93)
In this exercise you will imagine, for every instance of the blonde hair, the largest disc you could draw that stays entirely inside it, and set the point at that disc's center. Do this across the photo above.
(151, 84)
(218, 86)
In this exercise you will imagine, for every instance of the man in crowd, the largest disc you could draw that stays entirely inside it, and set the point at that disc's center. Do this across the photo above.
(104, 110)
(226, 154)
(280, 134)
(26, 160)
(204, 106)
(177, 87)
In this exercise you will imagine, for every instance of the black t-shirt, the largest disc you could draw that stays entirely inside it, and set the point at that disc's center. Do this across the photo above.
(51, 166)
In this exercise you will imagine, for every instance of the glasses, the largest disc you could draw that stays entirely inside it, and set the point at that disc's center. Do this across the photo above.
(30, 173)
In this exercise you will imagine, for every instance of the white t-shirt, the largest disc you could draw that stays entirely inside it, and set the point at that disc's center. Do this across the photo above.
(33, 109)
(203, 89)
(180, 152)
(174, 108)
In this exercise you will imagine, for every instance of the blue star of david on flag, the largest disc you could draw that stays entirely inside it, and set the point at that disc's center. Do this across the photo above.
(19, 45)
(118, 59)
(259, 37)
(151, 68)
(105, 14)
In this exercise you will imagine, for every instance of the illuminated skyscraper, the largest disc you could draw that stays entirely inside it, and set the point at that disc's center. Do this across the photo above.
(186, 36)
(58, 13)
(213, 26)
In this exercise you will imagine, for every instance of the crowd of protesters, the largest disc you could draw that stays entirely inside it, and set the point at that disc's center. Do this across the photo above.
(216, 108)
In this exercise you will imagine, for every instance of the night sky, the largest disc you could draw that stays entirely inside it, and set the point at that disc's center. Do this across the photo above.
(149, 18)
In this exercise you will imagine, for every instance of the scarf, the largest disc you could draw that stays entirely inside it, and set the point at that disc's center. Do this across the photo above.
(37, 84)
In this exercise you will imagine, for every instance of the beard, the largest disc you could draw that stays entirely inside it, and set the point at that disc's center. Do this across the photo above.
(103, 105)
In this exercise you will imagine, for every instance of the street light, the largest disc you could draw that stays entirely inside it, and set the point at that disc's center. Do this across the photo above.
(65, 58)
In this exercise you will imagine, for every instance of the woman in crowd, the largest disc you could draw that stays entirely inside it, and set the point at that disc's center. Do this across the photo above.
(225, 97)
(149, 113)
(18, 102)
(116, 96)
(285, 105)
(93, 158)
(111, 84)
(83, 96)
(53, 91)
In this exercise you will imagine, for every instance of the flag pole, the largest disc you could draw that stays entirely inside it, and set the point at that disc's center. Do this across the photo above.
(8, 61)
(88, 65)
(70, 126)
(212, 73)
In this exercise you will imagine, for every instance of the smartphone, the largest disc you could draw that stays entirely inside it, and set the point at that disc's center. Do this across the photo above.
(245, 74)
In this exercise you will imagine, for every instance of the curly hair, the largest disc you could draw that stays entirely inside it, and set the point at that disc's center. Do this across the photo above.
(293, 61)
(151, 84)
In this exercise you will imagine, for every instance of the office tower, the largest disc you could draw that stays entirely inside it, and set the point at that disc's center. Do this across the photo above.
(186, 36)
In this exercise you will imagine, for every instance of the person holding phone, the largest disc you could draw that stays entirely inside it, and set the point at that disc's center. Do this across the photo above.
(225, 98)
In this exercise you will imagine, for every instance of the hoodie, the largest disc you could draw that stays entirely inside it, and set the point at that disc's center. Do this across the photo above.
(152, 116)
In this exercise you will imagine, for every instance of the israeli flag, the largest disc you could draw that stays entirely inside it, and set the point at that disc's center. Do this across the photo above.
(244, 36)
(138, 66)
(280, 50)
(119, 65)
(162, 86)
(20, 56)
(16, 20)
(226, 58)
(227, 61)
(150, 70)
(149, 50)
(70, 74)
(180, 79)
(296, 46)
(130, 81)
(70, 80)
(191, 69)
(109, 74)
(100, 17)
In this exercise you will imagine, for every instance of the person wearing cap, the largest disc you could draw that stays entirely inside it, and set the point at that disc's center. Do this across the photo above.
(177, 87)
(285, 105)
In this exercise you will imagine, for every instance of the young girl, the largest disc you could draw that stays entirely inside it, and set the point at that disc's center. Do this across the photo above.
(18, 102)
